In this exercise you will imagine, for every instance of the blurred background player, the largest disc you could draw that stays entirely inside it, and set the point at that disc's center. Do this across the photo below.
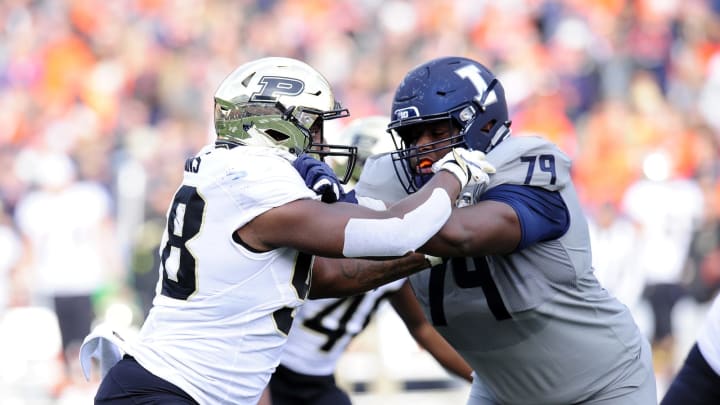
(615, 240)
(323, 328)
(369, 135)
(66, 225)
(515, 293)
(667, 209)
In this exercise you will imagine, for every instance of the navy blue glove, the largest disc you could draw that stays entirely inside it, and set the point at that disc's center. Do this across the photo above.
(322, 179)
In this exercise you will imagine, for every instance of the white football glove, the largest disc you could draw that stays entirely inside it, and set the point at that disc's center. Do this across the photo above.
(470, 167)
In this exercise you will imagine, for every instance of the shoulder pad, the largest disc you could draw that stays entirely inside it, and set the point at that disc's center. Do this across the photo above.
(530, 160)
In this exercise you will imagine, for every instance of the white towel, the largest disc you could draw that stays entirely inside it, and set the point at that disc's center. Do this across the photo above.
(103, 344)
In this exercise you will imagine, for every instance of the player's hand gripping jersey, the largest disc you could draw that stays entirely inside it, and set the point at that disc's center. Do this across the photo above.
(236, 303)
(534, 324)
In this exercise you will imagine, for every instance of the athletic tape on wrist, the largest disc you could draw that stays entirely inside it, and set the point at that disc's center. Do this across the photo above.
(397, 236)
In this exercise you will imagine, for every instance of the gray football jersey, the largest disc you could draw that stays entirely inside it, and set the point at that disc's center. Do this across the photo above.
(535, 325)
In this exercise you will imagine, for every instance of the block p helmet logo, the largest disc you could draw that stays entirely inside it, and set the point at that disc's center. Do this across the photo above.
(274, 86)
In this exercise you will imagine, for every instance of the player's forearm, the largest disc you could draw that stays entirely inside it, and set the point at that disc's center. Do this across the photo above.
(443, 180)
(345, 277)
(486, 228)
(440, 349)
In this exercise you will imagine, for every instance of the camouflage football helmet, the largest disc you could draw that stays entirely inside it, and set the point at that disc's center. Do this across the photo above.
(282, 103)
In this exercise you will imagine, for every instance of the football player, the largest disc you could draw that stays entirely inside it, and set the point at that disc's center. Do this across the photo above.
(323, 328)
(698, 380)
(515, 293)
(242, 227)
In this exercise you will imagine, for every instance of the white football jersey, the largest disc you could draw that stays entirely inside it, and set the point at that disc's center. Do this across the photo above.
(323, 328)
(221, 313)
(668, 212)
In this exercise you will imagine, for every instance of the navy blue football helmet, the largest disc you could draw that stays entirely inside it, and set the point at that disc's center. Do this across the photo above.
(458, 90)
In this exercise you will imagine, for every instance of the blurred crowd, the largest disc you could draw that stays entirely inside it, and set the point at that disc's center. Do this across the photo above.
(102, 101)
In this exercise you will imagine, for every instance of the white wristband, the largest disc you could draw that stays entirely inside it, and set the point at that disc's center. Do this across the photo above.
(366, 237)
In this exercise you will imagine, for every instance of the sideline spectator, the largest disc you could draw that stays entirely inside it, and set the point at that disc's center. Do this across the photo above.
(68, 232)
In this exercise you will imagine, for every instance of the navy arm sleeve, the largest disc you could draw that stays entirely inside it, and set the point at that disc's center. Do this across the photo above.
(543, 214)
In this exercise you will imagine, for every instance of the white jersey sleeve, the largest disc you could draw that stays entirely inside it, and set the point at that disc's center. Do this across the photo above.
(250, 183)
